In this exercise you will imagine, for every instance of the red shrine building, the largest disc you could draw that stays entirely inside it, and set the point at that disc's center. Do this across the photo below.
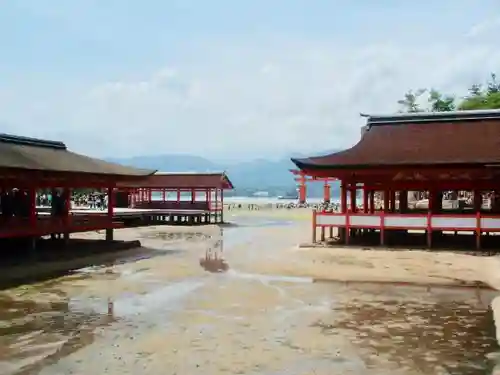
(181, 192)
(420, 175)
(28, 166)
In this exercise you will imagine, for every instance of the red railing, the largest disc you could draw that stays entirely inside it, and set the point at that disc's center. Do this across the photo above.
(21, 227)
(479, 222)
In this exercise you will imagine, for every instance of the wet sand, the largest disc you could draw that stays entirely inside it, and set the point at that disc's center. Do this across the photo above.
(160, 312)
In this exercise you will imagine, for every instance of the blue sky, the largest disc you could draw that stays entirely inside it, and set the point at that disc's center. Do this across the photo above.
(229, 79)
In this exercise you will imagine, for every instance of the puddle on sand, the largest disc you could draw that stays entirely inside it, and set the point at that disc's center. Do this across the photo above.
(249, 323)
(408, 329)
(36, 334)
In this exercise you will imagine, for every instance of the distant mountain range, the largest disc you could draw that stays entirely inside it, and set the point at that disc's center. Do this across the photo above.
(248, 177)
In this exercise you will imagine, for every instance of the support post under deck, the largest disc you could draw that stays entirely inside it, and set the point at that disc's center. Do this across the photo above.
(67, 209)
(111, 203)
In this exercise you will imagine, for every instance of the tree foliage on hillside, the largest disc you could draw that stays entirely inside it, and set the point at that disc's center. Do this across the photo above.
(480, 96)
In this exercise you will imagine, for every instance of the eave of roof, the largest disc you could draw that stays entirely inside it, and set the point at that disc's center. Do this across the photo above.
(31, 154)
(471, 139)
(190, 180)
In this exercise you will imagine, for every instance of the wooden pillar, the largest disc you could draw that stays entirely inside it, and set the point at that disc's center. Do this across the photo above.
(111, 211)
(314, 222)
(372, 201)
(351, 209)
(385, 210)
(343, 197)
(32, 203)
(478, 200)
(222, 205)
(343, 210)
(326, 199)
(403, 201)
(150, 195)
(432, 200)
(178, 199)
(193, 195)
(32, 215)
(302, 190)
(478, 203)
(216, 205)
(386, 200)
(326, 192)
(366, 193)
(209, 201)
(353, 192)
(67, 209)
(163, 194)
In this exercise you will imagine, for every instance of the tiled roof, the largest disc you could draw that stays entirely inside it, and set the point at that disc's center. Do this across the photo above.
(419, 141)
(189, 180)
(50, 156)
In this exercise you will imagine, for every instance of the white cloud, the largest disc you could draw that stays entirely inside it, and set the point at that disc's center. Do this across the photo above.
(257, 100)
(489, 26)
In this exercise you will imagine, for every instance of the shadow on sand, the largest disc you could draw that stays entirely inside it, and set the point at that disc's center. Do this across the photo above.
(55, 259)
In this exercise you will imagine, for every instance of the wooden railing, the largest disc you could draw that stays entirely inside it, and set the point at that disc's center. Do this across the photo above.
(383, 220)
(44, 225)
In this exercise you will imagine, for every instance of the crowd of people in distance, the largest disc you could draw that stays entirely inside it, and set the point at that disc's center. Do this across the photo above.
(16, 202)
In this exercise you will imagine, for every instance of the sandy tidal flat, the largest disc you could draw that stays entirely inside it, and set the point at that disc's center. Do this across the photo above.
(161, 313)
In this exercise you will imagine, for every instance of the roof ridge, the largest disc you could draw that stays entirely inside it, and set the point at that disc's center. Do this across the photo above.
(33, 142)
(430, 117)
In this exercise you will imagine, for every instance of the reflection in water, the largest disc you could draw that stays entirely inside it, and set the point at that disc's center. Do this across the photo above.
(214, 256)
(443, 337)
(34, 335)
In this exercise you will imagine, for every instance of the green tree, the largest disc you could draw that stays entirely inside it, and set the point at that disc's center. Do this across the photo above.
(482, 97)
(440, 102)
(410, 101)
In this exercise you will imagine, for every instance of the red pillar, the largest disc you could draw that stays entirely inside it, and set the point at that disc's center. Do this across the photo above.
(163, 195)
(193, 195)
(150, 195)
(302, 189)
(326, 192)
(353, 191)
(431, 198)
(222, 205)
(343, 198)
(365, 200)
(372, 201)
(178, 195)
(478, 203)
(386, 200)
(216, 204)
(67, 203)
(111, 212)
(344, 231)
(67, 207)
(32, 202)
(403, 201)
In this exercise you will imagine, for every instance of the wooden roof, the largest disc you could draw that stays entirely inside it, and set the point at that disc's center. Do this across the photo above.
(188, 180)
(456, 139)
(30, 154)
